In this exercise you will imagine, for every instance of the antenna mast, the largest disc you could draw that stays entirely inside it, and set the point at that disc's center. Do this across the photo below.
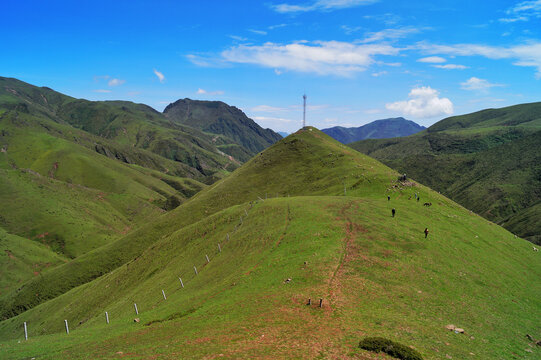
(304, 111)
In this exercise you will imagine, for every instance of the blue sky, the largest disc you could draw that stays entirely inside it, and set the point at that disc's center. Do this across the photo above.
(357, 60)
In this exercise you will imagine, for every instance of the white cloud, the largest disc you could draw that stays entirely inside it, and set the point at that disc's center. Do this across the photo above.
(389, 34)
(238, 38)
(205, 92)
(528, 54)
(476, 84)
(268, 108)
(523, 11)
(424, 102)
(160, 75)
(377, 74)
(450, 67)
(320, 5)
(102, 91)
(350, 29)
(271, 119)
(432, 60)
(272, 27)
(258, 32)
(320, 57)
(116, 82)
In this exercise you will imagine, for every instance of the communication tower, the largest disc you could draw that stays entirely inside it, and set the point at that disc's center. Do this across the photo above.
(304, 111)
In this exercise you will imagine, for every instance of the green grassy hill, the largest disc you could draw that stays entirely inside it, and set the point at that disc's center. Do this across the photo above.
(233, 132)
(487, 161)
(132, 133)
(307, 218)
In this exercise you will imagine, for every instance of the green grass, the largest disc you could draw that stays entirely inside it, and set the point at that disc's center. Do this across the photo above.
(377, 274)
(487, 161)
(22, 259)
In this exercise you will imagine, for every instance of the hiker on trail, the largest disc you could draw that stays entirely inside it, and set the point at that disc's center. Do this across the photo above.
(426, 232)
(418, 198)
(388, 198)
(393, 211)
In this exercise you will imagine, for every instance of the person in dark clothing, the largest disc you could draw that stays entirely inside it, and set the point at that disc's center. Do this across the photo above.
(418, 198)
(426, 233)
(388, 198)
(393, 211)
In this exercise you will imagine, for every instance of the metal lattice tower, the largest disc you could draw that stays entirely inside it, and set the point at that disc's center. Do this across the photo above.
(304, 111)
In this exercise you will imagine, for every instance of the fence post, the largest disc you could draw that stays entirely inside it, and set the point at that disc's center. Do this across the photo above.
(219, 247)
(136, 310)
(25, 332)
(163, 293)
(107, 317)
(67, 328)
(181, 283)
(208, 260)
(195, 269)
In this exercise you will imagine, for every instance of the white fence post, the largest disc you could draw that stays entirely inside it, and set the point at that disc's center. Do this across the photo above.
(195, 269)
(219, 247)
(67, 328)
(136, 310)
(107, 317)
(25, 332)
(208, 260)
(181, 283)
(163, 293)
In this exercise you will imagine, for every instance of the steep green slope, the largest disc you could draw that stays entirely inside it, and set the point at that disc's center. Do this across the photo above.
(22, 259)
(487, 161)
(379, 129)
(308, 163)
(234, 132)
(377, 274)
(122, 129)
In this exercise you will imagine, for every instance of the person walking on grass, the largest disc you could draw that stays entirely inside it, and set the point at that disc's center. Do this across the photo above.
(393, 211)
(426, 233)
(388, 198)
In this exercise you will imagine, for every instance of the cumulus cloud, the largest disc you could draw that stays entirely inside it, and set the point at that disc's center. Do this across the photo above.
(116, 82)
(160, 75)
(205, 92)
(320, 5)
(476, 84)
(320, 57)
(450, 67)
(424, 102)
(528, 54)
(432, 60)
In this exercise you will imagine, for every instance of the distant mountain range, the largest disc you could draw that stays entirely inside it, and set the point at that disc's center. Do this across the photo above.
(379, 129)
(283, 133)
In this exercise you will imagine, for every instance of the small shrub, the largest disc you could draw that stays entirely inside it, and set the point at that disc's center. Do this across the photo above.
(394, 349)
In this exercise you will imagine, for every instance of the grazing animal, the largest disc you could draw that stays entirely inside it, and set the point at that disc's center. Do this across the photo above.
(535, 249)
(427, 204)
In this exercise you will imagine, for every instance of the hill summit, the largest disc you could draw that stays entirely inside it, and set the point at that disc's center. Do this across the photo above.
(236, 134)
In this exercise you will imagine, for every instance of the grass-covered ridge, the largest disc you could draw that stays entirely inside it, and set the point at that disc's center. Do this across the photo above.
(487, 161)
(377, 274)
